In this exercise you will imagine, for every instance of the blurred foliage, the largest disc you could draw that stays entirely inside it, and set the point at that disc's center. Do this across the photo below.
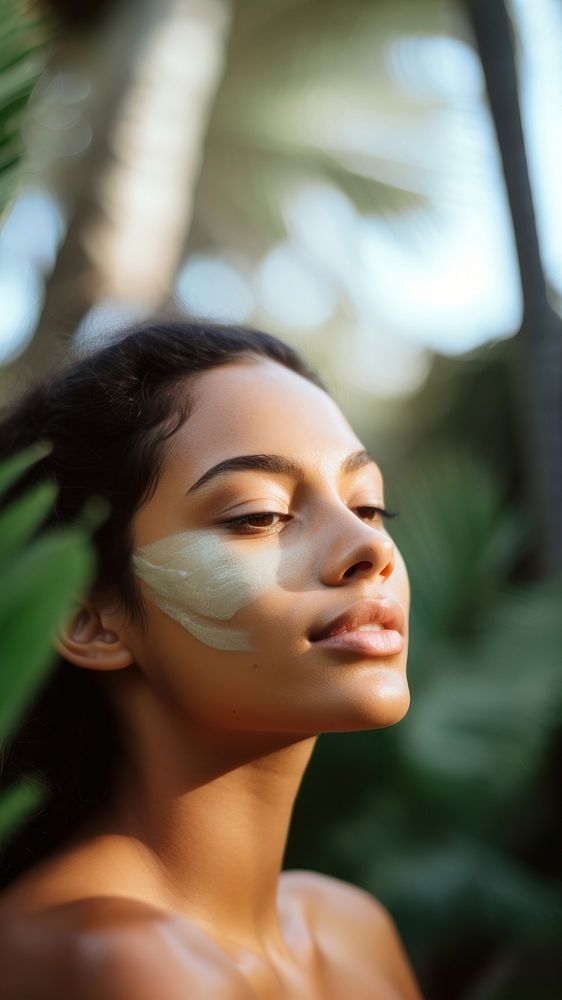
(40, 578)
(459, 832)
(452, 817)
(23, 34)
(324, 90)
(305, 86)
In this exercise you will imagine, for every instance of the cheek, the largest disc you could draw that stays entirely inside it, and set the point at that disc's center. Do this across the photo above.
(196, 571)
(201, 581)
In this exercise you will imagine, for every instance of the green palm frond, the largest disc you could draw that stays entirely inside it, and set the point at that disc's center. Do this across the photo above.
(442, 882)
(437, 815)
(23, 34)
(263, 171)
(13, 468)
(35, 593)
(482, 722)
(464, 885)
(458, 541)
(306, 97)
(484, 656)
(40, 579)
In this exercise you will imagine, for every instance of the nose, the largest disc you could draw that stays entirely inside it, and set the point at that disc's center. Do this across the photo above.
(357, 550)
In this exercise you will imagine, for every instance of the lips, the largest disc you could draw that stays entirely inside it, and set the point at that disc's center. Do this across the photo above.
(384, 611)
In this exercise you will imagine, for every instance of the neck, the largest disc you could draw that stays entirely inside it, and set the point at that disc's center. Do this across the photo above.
(210, 812)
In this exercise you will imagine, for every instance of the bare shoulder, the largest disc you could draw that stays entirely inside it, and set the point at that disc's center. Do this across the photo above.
(349, 923)
(111, 948)
(319, 888)
(149, 956)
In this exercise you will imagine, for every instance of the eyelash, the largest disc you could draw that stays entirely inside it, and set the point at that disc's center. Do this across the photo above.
(246, 518)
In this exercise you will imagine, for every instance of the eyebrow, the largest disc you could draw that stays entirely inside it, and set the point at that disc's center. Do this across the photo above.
(276, 464)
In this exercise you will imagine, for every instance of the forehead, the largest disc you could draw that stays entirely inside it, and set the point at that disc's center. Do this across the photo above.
(251, 407)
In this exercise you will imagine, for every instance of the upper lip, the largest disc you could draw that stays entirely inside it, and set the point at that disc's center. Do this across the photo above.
(383, 611)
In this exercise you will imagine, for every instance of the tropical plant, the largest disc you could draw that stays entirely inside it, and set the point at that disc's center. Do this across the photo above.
(293, 75)
(131, 185)
(444, 816)
(538, 347)
(23, 34)
(39, 580)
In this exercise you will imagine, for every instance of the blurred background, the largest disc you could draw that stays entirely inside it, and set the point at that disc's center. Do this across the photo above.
(378, 183)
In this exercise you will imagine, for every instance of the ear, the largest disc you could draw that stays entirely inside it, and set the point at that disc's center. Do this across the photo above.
(85, 641)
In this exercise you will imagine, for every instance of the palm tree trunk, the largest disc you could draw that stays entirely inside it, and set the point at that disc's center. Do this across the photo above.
(158, 67)
(538, 345)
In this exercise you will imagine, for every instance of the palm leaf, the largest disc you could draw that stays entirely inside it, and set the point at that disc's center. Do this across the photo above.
(13, 468)
(456, 538)
(23, 34)
(321, 67)
(464, 886)
(481, 719)
(482, 722)
(21, 519)
(18, 803)
(39, 581)
(437, 832)
(37, 589)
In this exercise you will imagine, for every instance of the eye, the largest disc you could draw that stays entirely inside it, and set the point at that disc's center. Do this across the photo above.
(272, 518)
(260, 519)
(371, 513)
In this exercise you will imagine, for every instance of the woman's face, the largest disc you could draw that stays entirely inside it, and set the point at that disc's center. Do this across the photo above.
(233, 606)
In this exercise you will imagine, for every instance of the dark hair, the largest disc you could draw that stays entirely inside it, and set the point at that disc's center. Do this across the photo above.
(109, 416)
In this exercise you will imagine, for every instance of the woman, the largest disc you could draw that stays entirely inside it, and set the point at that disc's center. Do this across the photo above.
(247, 598)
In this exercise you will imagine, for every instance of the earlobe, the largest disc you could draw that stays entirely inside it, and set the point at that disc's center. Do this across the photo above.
(85, 641)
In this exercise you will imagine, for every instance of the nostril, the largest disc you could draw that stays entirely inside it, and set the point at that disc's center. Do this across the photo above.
(358, 567)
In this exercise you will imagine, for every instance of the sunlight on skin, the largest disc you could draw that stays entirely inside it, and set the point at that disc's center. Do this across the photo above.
(268, 497)
(197, 575)
(214, 589)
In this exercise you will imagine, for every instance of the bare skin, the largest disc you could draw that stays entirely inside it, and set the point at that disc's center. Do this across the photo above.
(176, 890)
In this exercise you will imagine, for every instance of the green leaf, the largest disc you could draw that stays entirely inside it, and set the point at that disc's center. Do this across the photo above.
(23, 37)
(36, 593)
(463, 884)
(19, 521)
(481, 724)
(455, 539)
(17, 803)
(13, 468)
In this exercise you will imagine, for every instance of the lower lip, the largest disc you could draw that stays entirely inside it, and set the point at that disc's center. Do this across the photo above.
(386, 642)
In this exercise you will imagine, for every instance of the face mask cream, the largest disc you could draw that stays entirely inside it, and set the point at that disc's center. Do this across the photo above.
(201, 580)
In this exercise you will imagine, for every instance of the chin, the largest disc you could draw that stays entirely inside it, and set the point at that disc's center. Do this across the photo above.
(385, 704)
